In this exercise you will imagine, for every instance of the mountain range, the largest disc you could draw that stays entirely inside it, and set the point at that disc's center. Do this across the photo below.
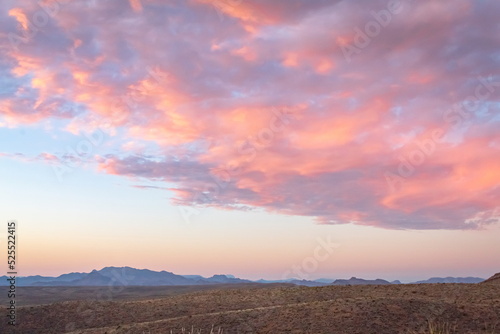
(122, 276)
(144, 277)
(451, 280)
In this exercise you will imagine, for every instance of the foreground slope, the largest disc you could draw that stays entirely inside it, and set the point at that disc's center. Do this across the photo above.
(495, 279)
(471, 308)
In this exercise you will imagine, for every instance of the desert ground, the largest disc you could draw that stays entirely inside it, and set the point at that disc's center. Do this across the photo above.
(422, 308)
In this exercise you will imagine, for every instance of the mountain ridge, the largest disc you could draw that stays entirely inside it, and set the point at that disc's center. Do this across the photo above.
(493, 279)
(146, 277)
(434, 280)
(360, 281)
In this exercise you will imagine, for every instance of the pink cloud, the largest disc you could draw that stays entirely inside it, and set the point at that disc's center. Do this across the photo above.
(208, 78)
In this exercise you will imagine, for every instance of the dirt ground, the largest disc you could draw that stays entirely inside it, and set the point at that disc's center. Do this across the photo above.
(459, 308)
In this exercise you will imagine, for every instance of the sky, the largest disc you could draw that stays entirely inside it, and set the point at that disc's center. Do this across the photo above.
(263, 139)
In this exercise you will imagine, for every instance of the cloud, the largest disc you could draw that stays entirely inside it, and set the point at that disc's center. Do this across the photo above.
(42, 157)
(262, 106)
(136, 5)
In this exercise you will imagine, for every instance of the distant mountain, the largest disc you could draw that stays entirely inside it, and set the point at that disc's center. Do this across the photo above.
(132, 276)
(26, 281)
(215, 278)
(71, 276)
(122, 276)
(145, 277)
(42, 280)
(360, 281)
(296, 281)
(324, 280)
(434, 280)
(307, 283)
(92, 279)
(327, 281)
(266, 281)
(195, 277)
(495, 279)
(226, 279)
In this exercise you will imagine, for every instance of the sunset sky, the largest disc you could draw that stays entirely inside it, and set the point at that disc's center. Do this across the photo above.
(238, 136)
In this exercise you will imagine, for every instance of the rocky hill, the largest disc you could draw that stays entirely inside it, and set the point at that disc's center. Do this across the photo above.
(495, 279)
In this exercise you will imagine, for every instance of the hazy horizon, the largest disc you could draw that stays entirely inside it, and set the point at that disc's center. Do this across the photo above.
(311, 277)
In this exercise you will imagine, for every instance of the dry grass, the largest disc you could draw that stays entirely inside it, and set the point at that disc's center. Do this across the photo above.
(437, 327)
(392, 309)
(441, 328)
(198, 331)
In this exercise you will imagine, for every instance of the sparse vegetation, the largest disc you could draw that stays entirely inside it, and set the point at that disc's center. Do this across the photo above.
(388, 309)
(197, 331)
(436, 327)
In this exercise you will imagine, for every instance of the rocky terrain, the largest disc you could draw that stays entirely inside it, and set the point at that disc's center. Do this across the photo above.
(390, 308)
(495, 279)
